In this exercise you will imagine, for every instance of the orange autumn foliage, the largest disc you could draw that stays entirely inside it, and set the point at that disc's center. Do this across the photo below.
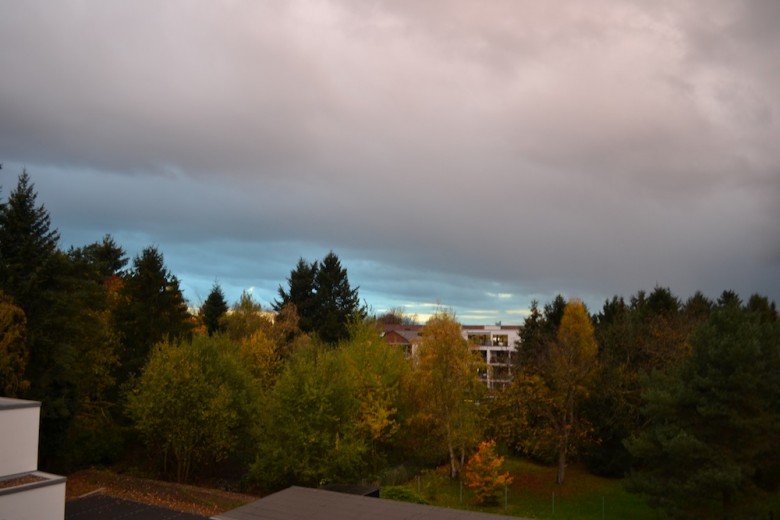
(483, 473)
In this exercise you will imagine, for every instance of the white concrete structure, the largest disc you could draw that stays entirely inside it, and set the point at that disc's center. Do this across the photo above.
(25, 492)
(18, 436)
(498, 346)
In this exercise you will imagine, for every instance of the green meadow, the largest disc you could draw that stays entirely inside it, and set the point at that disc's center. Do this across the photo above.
(534, 494)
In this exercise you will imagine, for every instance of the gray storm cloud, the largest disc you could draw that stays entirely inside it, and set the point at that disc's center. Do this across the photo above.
(459, 149)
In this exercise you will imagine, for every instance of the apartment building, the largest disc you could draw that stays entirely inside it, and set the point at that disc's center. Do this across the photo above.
(495, 343)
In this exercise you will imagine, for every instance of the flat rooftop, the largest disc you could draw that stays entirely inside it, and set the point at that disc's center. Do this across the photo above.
(298, 503)
(7, 403)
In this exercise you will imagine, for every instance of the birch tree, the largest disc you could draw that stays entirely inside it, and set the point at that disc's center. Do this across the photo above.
(447, 376)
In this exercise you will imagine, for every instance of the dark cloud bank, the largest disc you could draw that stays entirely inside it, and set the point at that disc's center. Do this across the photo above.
(462, 154)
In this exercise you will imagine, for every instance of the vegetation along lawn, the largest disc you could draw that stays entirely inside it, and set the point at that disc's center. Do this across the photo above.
(582, 496)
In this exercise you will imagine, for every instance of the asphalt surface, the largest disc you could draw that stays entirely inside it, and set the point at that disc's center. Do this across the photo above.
(102, 507)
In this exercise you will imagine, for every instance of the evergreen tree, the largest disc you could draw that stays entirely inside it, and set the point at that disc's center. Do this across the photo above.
(538, 333)
(31, 273)
(152, 309)
(713, 428)
(301, 293)
(28, 247)
(105, 259)
(336, 302)
(213, 309)
(323, 298)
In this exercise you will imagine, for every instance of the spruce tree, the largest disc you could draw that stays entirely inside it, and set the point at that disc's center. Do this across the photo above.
(713, 430)
(33, 274)
(153, 309)
(213, 309)
(336, 302)
(323, 298)
(301, 293)
(28, 247)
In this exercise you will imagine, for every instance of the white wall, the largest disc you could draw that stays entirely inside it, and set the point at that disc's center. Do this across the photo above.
(18, 436)
(40, 503)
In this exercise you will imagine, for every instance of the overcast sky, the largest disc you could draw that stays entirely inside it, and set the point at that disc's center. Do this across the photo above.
(466, 154)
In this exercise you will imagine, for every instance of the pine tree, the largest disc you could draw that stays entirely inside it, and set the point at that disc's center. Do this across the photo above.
(711, 437)
(153, 309)
(323, 298)
(28, 246)
(301, 293)
(336, 302)
(213, 309)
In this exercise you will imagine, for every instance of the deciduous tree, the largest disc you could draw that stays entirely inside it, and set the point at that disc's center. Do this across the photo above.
(447, 380)
(13, 348)
(192, 401)
(309, 432)
(553, 391)
(483, 473)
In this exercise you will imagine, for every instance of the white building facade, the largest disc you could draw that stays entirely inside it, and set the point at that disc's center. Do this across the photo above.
(497, 344)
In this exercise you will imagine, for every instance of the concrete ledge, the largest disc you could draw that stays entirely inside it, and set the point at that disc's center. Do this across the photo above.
(47, 479)
(7, 403)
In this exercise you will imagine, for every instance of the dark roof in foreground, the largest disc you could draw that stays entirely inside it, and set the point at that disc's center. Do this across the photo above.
(102, 507)
(297, 503)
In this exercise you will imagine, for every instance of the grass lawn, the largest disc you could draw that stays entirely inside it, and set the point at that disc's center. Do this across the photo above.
(582, 496)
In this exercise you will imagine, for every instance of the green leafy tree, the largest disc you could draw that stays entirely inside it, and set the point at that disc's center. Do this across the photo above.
(448, 387)
(378, 372)
(193, 403)
(152, 309)
(309, 433)
(214, 309)
(245, 318)
(711, 439)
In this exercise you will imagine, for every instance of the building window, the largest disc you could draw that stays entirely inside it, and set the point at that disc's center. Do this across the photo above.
(479, 339)
(500, 340)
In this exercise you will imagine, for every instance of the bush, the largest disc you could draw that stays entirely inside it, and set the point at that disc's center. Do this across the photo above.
(402, 494)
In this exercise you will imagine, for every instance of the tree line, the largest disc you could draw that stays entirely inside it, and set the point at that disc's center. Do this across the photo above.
(682, 397)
